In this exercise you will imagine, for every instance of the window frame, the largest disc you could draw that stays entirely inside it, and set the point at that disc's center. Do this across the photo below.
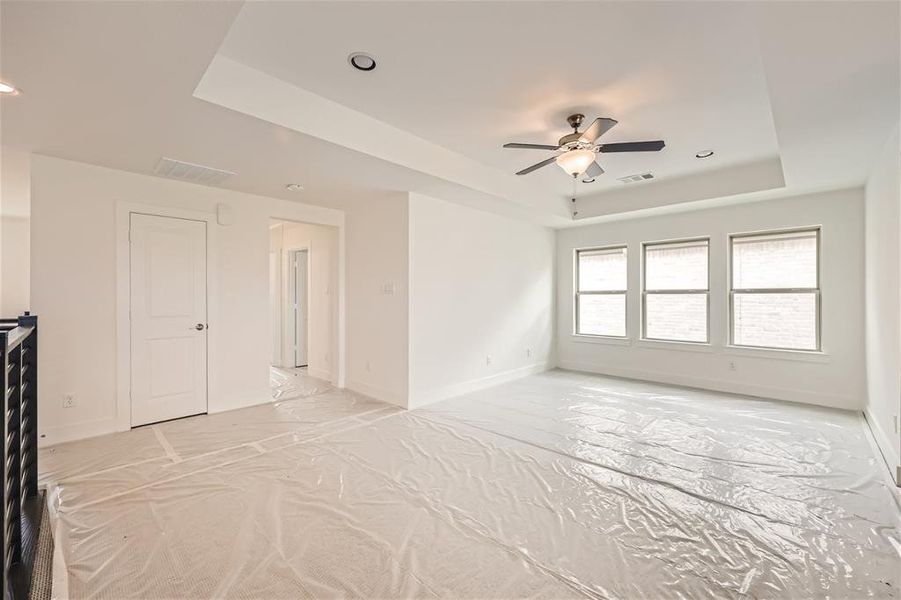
(576, 293)
(817, 291)
(645, 291)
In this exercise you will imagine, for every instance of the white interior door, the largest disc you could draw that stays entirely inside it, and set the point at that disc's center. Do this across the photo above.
(301, 307)
(168, 318)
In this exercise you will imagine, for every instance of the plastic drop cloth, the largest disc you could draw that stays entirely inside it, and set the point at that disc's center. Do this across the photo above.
(556, 485)
(294, 383)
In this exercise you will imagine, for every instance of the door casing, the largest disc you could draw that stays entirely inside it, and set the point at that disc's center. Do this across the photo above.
(124, 210)
(300, 282)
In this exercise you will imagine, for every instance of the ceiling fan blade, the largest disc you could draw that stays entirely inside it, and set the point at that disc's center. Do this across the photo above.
(594, 170)
(543, 163)
(600, 126)
(531, 146)
(633, 146)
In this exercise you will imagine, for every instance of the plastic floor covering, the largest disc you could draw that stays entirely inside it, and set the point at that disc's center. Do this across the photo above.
(557, 485)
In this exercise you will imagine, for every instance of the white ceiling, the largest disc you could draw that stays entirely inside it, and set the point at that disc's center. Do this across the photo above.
(812, 86)
(472, 76)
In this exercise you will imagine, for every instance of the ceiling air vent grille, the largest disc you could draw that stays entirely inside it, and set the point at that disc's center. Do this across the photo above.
(635, 178)
(176, 169)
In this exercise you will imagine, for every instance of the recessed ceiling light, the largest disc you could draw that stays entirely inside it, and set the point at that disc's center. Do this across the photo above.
(361, 61)
(8, 89)
(704, 154)
(294, 187)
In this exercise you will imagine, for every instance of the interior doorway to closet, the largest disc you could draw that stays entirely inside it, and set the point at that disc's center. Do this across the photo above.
(303, 272)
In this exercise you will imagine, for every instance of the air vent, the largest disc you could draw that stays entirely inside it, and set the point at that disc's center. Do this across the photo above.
(635, 178)
(176, 169)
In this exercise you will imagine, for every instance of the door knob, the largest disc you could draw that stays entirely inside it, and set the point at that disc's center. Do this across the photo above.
(199, 327)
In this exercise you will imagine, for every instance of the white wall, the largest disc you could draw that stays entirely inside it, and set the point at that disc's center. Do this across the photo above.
(883, 301)
(481, 285)
(74, 289)
(14, 260)
(15, 201)
(275, 292)
(377, 254)
(321, 242)
(835, 378)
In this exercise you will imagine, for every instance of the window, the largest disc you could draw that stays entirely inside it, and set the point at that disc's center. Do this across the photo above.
(601, 292)
(775, 294)
(676, 290)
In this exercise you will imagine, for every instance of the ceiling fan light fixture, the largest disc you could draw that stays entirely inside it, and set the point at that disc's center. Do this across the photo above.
(575, 162)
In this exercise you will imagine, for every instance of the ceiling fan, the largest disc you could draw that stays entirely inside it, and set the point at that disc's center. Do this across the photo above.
(580, 150)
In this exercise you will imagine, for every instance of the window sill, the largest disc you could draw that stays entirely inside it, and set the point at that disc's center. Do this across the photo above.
(675, 345)
(816, 356)
(600, 339)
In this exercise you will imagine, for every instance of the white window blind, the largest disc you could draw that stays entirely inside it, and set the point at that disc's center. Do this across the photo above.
(775, 294)
(600, 298)
(675, 291)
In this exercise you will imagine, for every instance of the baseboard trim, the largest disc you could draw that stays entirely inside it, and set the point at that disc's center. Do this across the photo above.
(50, 436)
(465, 387)
(732, 387)
(320, 374)
(256, 400)
(891, 458)
(377, 393)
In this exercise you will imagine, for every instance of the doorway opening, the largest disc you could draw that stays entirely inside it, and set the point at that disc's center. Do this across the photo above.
(303, 278)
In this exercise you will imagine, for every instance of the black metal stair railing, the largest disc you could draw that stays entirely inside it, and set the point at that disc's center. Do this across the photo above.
(21, 501)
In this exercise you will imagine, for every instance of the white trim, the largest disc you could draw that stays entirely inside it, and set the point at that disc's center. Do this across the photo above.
(378, 393)
(244, 401)
(717, 385)
(123, 298)
(779, 354)
(582, 338)
(681, 346)
(884, 446)
(817, 291)
(76, 431)
(320, 374)
(465, 387)
(341, 350)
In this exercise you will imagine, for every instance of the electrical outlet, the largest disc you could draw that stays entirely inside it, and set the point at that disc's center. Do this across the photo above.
(69, 401)
(488, 360)
(528, 353)
(731, 366)
(368, 366)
